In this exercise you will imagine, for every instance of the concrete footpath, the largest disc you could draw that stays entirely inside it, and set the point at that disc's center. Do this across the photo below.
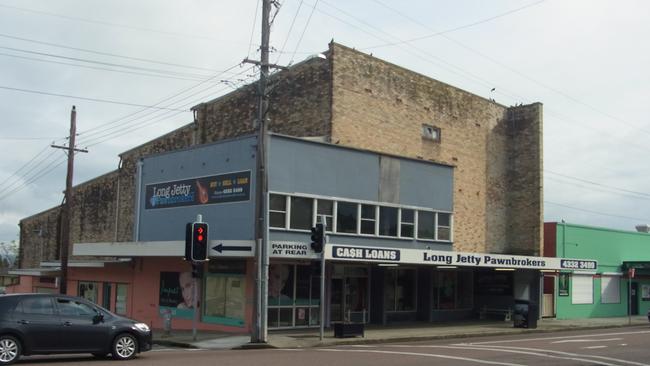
(304, 338)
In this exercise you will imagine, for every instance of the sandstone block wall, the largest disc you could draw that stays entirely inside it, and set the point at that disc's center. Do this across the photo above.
(497, 153)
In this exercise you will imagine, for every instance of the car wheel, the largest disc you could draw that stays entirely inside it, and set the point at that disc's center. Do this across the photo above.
(9, 350)
(125, 346)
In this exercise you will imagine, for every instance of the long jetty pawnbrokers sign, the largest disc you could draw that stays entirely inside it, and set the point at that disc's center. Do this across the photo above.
(443, 258)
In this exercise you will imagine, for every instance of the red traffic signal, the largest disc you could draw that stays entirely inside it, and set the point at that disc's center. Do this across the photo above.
(199, 242)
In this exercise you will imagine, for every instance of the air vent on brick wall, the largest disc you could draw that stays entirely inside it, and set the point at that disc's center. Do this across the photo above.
(430, 132)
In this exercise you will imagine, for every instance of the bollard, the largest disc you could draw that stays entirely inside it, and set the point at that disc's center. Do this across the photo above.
(167, 321)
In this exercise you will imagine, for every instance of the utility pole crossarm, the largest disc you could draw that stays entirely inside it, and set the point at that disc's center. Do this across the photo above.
(68, 148)
(259, 63)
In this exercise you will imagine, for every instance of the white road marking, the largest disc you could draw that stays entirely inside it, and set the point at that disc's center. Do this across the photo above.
(587, 340)
(539, 352)
(552, 338)
(423, 355)
(289, 349)
(569, 354)
(594, 347)
(623, 344)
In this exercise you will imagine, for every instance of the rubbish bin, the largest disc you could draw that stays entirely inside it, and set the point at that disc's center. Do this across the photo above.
(525, 314)
(533, 314)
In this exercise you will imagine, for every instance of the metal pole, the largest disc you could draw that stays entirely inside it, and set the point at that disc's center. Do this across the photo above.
(195, 291)
(194, 305)
(322, 281)
(260, 334)
(629, 298)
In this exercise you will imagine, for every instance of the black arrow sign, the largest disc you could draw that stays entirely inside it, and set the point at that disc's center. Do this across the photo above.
(220, 248)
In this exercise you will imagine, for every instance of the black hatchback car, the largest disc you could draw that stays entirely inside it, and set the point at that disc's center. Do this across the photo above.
(33, 324)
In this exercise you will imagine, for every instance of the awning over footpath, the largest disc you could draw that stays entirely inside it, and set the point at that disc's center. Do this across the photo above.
(640, 267)
(52, 269)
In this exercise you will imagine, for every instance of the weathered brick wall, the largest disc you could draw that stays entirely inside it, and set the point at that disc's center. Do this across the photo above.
(525, 177)
(381, 107)
(300, 104)
(39, 238)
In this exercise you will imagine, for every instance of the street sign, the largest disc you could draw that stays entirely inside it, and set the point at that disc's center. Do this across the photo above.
(232, 248)
(630, 272)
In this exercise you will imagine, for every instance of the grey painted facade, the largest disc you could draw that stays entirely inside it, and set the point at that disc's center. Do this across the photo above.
(228, 221)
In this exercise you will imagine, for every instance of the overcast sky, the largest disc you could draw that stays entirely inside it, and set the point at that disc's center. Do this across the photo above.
(586, 61)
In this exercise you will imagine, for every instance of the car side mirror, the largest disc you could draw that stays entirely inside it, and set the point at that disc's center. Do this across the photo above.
(98, 318)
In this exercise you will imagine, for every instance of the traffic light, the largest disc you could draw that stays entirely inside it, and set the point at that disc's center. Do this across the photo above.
(317, 238)
(199, 239)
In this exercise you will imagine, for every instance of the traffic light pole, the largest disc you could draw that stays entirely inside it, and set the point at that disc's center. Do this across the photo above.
(195, 292)
(322, 280)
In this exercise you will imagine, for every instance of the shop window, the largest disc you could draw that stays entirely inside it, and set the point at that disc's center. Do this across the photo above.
(399, 289)
(326, 209)
(388, 221)
(426, 225)
(88, 290)
(106, 296)
(444, 226)
(225, 293)
(368, 219)
(301, 213)
(120, 298)
(610, 290)
(465, 290)
(407, 223)
(346, 217)
(446, 288)
(277, 211)
(294, 293)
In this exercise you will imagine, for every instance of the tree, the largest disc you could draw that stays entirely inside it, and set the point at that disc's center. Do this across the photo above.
(8, 255)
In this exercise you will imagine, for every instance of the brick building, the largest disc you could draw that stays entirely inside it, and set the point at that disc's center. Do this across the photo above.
(348, 100)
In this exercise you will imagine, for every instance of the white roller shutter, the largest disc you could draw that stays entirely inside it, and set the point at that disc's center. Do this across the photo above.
(610, 289)
(582, 289)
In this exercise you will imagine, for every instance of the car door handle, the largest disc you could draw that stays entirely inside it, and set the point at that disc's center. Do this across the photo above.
(23, 321)
(67, 324)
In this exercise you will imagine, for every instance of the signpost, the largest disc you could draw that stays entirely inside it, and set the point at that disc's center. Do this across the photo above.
(630, 276)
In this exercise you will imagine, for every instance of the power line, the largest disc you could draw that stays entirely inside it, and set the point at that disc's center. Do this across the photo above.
(293, 21)
(637, 219)
(99, 68)
(517, 72)
(160, 71)
(93, 21)
(250, 43)
(303, 31)
(105, 53)
(104, 128)
(599, 184)
(447, 30)
(88, 99)
(597, 189)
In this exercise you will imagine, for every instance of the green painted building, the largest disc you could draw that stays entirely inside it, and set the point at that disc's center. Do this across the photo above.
(604, 292)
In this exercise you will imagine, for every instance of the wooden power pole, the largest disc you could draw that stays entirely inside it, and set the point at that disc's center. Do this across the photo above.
(67, 206)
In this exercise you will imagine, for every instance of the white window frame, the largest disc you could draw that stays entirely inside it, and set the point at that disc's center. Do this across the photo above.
(610, 289)
(334, 229)
(285, 212)
(360, 219)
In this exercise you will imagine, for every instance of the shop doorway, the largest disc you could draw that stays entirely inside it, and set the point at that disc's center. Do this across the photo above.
(349, 295)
